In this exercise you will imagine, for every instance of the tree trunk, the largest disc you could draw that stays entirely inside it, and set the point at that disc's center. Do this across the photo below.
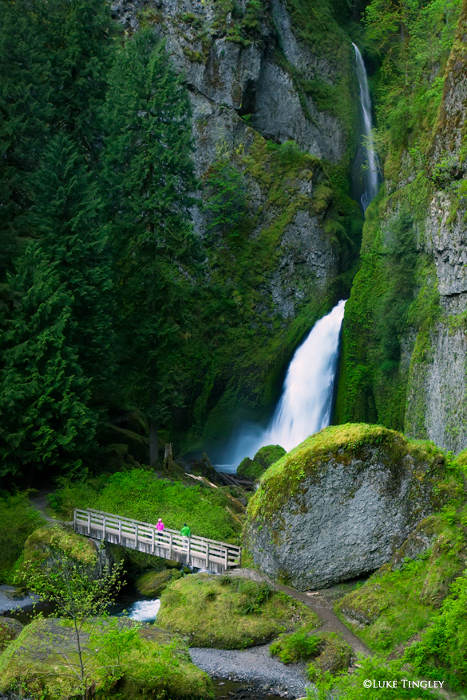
(153, 444)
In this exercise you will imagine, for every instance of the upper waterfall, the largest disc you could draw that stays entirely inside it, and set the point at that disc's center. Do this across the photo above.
(371, 169)
(306, 402)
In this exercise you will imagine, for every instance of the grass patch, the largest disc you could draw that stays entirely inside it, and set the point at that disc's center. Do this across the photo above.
(139, 494)
(229, 613)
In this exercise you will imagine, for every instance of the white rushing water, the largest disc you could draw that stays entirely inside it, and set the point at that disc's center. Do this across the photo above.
(144, 610)
(371, 165)
(306, 402)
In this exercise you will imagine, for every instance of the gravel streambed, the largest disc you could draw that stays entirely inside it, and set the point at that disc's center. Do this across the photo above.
(255, 666)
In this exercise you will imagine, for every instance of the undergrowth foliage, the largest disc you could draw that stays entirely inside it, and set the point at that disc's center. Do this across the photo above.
(139, 494)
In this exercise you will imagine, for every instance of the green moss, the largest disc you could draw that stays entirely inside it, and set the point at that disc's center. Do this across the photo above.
(18, 519)
(152, 583)
(9, 630)
(39, 544)
(228, 612)
(284, 478)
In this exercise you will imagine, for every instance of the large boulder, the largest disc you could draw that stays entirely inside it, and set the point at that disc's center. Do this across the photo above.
(340, 504)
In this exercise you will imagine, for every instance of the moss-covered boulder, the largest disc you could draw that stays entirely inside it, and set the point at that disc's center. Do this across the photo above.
(152, 583)
(254, 468)
(9, 630)
(151, 663)
(341, 503)
(249, 468)
(40, 545)
(268, 455)
(229, 613)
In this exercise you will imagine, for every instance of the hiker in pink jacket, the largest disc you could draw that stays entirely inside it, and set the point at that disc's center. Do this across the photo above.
(159, 528)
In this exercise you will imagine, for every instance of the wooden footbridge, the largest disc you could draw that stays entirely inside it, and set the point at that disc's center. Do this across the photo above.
(168, 544)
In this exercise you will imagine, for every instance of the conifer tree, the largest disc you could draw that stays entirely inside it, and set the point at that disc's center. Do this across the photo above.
(68, 219)
(57, 347)
(80, 44)
(45, 422)
(149, 176)
(25, 112)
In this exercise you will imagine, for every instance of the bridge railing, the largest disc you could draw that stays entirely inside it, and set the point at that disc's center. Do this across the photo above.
(168, 543)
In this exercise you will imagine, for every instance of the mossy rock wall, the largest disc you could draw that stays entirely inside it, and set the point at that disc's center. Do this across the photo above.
(339, 505)
(404, 359)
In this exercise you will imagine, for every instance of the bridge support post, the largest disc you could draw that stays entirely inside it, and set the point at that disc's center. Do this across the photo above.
(136, 536)
(119, 532)
(170, 545)
(153, 542)
(89, 524)
(188, 552)
(207, 555)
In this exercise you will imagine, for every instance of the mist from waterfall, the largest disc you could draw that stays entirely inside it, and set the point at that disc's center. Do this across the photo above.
(306, 402)
(370, 173)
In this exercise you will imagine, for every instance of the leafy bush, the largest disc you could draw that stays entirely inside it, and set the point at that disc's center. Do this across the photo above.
(351, 687)
(442, 651)
(301, 645)
(17, 521)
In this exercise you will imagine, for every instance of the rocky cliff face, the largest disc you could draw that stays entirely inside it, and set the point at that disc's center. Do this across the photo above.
(405, 333)
(437, 392)
(259, 79)
(340, 504)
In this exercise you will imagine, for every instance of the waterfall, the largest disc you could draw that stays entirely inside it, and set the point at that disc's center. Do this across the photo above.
(369, 156)
(306, 402)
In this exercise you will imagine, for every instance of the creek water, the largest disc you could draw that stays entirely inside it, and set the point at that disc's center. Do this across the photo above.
(366, 162)
(306, 402)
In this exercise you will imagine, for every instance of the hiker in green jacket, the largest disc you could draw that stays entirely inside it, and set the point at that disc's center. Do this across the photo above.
(185, 531)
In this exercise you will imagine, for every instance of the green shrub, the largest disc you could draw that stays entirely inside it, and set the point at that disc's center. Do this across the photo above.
(442, 651)
(351, 686)
(301, 645)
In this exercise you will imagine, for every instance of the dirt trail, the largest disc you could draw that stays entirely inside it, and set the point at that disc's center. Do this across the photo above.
(39, 502)
(330, 622)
